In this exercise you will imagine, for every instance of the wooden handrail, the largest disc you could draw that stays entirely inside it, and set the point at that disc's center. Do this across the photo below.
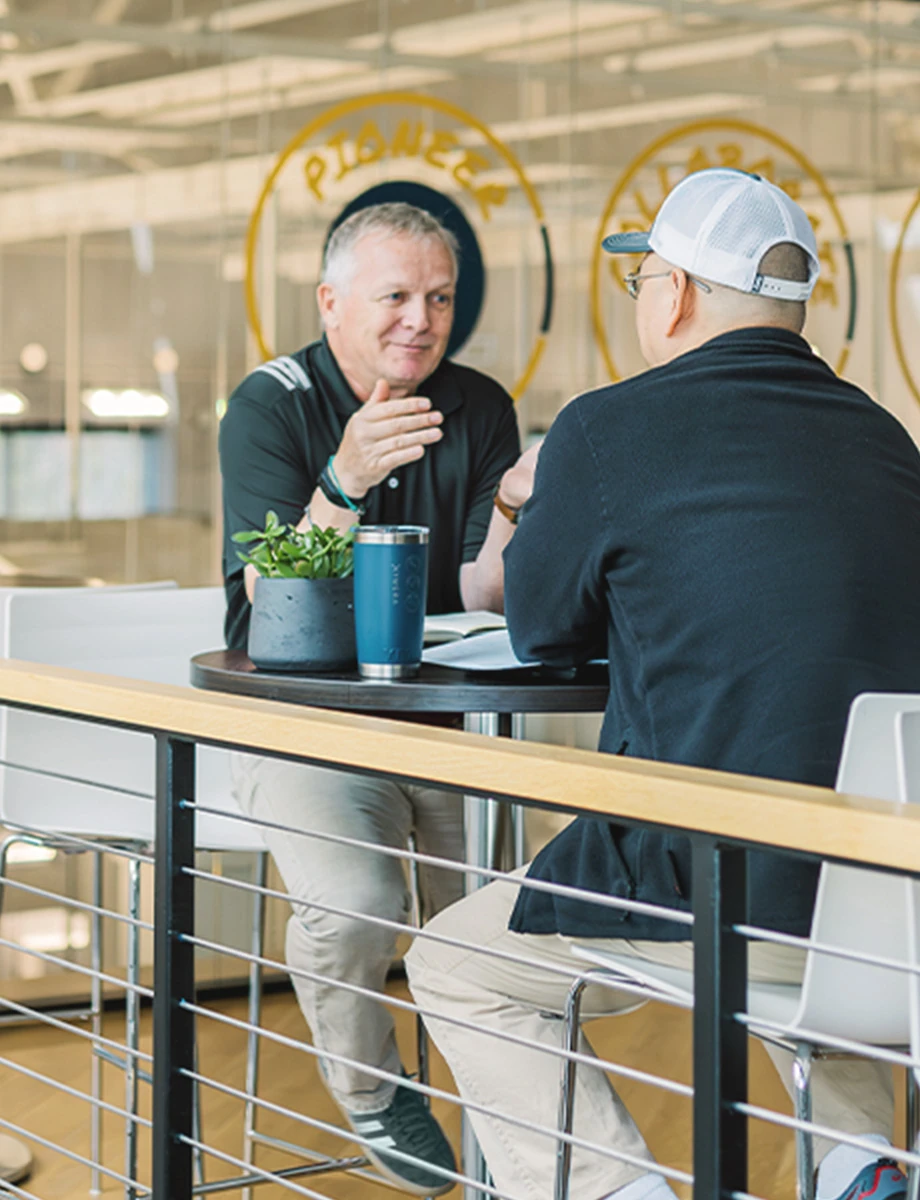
(740, 807)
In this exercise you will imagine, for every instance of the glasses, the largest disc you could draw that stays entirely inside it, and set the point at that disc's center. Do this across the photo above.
(635, 278)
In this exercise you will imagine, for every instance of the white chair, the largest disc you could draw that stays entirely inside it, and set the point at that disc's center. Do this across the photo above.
(57, 774)
(856, 910)
(94, 1011)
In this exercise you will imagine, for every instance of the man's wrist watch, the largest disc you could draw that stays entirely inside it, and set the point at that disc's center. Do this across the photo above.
(509, 513)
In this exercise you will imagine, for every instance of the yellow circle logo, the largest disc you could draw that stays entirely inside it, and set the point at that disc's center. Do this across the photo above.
(638, 195)
(414, 134)
(894, 293)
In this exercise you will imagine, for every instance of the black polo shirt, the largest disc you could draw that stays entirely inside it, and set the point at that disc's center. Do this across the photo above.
(288, 416)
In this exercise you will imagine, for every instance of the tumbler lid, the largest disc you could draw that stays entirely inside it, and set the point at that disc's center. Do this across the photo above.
(391, 535)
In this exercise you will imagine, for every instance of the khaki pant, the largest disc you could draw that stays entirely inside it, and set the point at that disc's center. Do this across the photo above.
(342, 945)
(526, 999)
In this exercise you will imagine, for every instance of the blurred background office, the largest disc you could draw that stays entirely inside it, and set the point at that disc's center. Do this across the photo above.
(136, 137)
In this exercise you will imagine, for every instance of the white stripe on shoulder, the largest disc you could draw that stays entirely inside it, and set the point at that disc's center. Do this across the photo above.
(271, 368)
(292, 365)
(283, 364)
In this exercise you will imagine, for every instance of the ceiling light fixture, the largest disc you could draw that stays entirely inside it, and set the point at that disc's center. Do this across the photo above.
(126, 404)
(704, 104)
(33, 357)
(737, 47)
(12, 403)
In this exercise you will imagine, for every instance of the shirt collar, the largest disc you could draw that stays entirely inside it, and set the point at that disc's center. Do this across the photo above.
(334, 383)
(442, 386)
(760, 335)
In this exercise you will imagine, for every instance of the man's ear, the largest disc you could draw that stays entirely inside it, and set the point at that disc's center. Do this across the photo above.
(683, 300)
(326, 301)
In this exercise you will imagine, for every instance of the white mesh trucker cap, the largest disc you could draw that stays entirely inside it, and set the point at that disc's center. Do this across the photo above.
(718, 224)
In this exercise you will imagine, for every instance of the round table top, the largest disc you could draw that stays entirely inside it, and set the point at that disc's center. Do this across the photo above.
(435, 689)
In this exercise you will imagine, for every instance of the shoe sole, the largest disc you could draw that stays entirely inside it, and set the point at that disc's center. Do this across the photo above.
(400, 1181)
(15, 1174)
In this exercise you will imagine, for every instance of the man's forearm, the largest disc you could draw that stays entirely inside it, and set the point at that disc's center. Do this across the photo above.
(320, 512)
(482, 583)
(324, 513)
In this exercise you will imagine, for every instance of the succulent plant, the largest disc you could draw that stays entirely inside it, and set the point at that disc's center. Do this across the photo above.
(281, 551)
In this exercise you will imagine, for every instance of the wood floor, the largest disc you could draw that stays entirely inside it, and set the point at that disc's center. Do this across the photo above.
(654, 1038)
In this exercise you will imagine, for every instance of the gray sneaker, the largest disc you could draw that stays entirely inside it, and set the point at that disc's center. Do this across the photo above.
(407, 1128)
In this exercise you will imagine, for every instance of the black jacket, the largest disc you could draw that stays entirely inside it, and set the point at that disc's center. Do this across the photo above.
(739, 532)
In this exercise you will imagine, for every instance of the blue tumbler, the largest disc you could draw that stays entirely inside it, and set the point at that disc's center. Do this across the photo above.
(391, 585)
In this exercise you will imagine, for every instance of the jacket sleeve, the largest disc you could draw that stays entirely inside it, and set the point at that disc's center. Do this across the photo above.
(554, 564)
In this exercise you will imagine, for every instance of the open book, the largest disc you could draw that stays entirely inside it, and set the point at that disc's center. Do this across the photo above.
(450, 627)
(489, 651)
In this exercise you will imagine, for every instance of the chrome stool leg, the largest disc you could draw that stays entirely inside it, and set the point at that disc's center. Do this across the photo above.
(132, 1013)
(95, 1010)
(571, 1031)
(197, 1134)
(95, 1116)
(251, 1135)
(255, 1015)
(417, 916)
(913, 1128)
(801, 1084)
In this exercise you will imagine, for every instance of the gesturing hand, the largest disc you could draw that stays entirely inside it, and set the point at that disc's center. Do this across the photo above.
(517, 481)
(383, 435)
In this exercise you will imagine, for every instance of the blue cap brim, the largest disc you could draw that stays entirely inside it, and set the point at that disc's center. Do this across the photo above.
(627, 243)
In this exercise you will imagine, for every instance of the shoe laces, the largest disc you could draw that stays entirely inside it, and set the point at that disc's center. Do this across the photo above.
(409, 1116)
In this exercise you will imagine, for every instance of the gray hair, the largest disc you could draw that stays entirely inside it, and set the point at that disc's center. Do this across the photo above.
(391, 220)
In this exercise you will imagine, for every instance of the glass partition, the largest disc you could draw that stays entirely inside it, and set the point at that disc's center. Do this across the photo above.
(132, 163)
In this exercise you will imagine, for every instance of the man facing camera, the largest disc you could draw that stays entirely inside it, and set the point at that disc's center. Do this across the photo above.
(738, 532)
(369, 424)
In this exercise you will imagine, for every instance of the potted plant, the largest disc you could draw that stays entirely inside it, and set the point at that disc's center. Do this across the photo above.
(303, 605)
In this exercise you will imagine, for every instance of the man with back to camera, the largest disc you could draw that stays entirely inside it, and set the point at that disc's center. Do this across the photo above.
(738, 531)
(369, 424)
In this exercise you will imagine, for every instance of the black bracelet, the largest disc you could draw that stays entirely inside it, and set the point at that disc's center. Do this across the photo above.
(325, 486)
(328, 484)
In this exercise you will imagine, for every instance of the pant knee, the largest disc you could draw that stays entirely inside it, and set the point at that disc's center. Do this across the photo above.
(350, 925)
(427, 961)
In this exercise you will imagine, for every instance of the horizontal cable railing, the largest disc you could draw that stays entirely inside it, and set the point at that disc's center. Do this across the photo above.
(784, 816)
(724, 815)
(480, 872)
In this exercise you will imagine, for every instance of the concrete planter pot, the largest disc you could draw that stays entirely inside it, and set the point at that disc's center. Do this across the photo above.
(303, 624)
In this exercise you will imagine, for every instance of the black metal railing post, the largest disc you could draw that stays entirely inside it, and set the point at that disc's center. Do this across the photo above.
(720, 1071)
(173, 970)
